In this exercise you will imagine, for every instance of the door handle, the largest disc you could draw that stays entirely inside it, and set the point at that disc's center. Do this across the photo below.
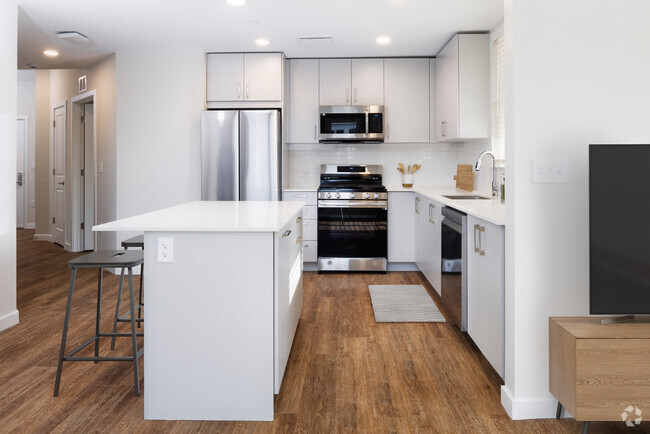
(19, 179)
(298, 240)
(286, 233)
(347, 95)
(432, 207)
(238, 90)
(61, 183)
(355, 95)
(315, 132)
(476, 238)
(480, 238)
(417, 205)
(247, 90)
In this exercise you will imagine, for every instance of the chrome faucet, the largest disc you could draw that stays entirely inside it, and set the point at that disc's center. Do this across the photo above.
(477, 167)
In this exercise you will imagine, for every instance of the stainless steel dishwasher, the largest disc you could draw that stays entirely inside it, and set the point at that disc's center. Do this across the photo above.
(454, 265)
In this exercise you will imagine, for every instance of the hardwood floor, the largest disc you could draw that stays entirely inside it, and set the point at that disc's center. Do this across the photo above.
(346, 373)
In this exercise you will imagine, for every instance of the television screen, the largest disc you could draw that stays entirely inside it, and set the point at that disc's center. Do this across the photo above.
(619, 229)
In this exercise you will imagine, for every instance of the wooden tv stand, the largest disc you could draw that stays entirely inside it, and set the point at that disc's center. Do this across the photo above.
(596, 371)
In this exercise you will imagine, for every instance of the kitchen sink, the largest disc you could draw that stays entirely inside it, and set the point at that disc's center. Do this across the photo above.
(466, 197)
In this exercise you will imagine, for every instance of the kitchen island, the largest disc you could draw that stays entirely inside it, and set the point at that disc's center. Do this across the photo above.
(223, 297)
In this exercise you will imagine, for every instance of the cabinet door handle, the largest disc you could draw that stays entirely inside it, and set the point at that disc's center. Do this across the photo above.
(238, 90)
(347, 95)
(314, 131)
(299, 220)
(480, 237)
(417, 205)
(298, 240)
(432, 208)
(444, 128)
(286, 233)
(247, 90)
(387, 131)
(355, 95)
(477, 228)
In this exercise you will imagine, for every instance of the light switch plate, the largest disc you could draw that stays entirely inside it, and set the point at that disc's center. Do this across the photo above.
(550, 170)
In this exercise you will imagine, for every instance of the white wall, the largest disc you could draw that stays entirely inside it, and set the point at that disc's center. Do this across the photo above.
(159, 99)
(27, 107)
(577, 73)
(8, 105)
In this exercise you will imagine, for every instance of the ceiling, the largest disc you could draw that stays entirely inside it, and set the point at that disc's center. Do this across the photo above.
(415, 27)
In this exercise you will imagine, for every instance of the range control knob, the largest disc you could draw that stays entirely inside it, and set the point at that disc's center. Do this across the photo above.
(366, 196)
(351, 195)
(376, 195)
(328, 195)
(337, 195)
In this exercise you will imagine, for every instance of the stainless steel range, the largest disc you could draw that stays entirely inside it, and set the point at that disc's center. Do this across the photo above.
(352, 219)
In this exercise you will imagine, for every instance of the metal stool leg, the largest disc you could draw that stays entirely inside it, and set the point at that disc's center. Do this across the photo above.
(117, 308)
(134, 341)
(140, 295)
(99, 311)
(64, 335)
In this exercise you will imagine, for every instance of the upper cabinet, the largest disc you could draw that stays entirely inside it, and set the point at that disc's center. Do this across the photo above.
(351, 81)
(406, 100)
(244, 77)
(463, 88)
(303, 101)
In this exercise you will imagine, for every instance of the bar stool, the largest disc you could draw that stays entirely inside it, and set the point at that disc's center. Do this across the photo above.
(137, 241)
(100, 260)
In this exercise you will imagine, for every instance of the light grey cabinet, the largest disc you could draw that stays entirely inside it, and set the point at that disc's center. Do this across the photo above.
(401, 219)
(351, 81)
(303, 101)
(406, 100)
(244, 77)
(428, 233)
(463, 88)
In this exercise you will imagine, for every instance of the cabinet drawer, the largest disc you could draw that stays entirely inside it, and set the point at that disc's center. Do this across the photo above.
(309, 251)
(310, 212)
(309, 197)
(309, 230)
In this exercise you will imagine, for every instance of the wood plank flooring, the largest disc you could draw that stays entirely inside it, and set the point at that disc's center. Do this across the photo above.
(346, 373)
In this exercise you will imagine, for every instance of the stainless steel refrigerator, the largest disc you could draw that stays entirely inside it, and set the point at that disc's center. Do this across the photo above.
(241, 155)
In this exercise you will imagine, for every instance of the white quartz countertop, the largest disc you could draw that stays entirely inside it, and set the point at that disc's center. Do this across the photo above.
(491, 210)
(206, 216)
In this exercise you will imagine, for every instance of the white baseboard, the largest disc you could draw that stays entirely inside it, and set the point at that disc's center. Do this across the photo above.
(43, 237)
(9, 320)
(30, 226)
(521, 409)
(402, 266)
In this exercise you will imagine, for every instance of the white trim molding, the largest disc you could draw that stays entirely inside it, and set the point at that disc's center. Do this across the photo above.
(521, 409)
(9, 320)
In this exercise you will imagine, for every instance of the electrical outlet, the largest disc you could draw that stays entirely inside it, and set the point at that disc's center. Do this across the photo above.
(165, 250)
(32, 203)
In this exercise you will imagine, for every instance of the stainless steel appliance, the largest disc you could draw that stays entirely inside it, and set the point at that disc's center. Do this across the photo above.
(241, 155)
(350, 123)
(352, 219)
(454, 265)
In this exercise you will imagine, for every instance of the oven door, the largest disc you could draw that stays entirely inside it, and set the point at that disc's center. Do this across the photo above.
(352, 229)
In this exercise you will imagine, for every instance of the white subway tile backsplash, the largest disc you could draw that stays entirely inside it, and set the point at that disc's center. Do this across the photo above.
(438, 161)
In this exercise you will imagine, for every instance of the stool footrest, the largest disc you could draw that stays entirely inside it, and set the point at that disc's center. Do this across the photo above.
(94, 338)
(103, 358)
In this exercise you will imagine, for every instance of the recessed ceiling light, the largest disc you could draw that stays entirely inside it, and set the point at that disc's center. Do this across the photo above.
(383, 40)
(236, 2)
(51, 53)
(261, 42)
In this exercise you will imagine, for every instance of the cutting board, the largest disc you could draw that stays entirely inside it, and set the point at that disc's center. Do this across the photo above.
(464, 177)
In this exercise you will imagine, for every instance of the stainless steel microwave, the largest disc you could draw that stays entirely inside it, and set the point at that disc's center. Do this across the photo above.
(351, 123)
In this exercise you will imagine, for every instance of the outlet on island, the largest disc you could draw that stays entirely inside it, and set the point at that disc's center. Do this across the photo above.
(165, 250)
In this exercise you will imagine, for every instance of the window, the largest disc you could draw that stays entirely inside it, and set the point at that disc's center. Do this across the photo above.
(497, 53)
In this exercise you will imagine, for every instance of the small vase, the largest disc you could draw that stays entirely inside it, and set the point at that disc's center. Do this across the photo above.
(407, 180)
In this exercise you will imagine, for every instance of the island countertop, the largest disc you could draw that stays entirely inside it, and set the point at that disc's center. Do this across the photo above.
(211, 216)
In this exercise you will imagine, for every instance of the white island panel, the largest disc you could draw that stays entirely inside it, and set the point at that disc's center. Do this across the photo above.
(209, 327)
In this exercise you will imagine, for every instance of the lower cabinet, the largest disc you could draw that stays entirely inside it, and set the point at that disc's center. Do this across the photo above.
(309, 222)
(428, 255)
(288, 294)
(486, 289)
(400, 226)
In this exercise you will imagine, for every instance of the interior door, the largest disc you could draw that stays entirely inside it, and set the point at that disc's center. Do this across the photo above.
(21, 174)
(59, 175)
(89, 177)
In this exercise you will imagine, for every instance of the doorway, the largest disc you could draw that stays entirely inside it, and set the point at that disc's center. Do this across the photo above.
(22, 158)
(83, 162)
(57, 162)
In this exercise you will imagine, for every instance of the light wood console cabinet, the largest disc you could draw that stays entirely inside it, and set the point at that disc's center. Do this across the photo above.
(596, 371)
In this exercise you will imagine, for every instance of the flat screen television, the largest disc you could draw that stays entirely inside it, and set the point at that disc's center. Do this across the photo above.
(619, 229)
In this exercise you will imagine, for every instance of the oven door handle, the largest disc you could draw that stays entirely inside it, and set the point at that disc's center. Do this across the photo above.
(347, 204)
